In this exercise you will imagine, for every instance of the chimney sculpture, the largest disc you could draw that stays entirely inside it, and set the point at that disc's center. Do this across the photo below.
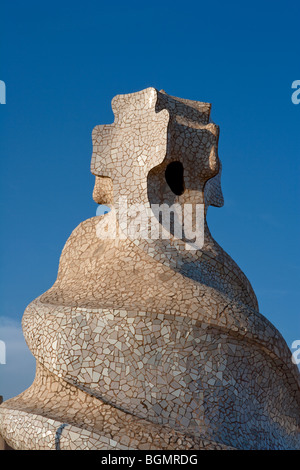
(151, 338)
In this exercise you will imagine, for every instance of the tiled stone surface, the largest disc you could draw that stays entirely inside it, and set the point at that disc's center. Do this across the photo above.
(38, 421)
(142, 344)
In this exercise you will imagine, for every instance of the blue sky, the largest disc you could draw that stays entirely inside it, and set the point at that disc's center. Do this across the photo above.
(63, 62)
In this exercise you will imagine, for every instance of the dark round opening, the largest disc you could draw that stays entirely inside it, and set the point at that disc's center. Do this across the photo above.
(174, 177)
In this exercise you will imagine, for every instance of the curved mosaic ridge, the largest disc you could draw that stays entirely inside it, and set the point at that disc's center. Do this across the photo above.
(141, 343)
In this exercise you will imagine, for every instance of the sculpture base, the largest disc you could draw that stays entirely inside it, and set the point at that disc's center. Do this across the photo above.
(54, 415)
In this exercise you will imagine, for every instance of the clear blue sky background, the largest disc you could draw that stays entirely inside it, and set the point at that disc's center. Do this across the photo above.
(64, 61)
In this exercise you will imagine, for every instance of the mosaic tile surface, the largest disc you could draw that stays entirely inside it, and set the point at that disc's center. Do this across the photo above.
(142, 343)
